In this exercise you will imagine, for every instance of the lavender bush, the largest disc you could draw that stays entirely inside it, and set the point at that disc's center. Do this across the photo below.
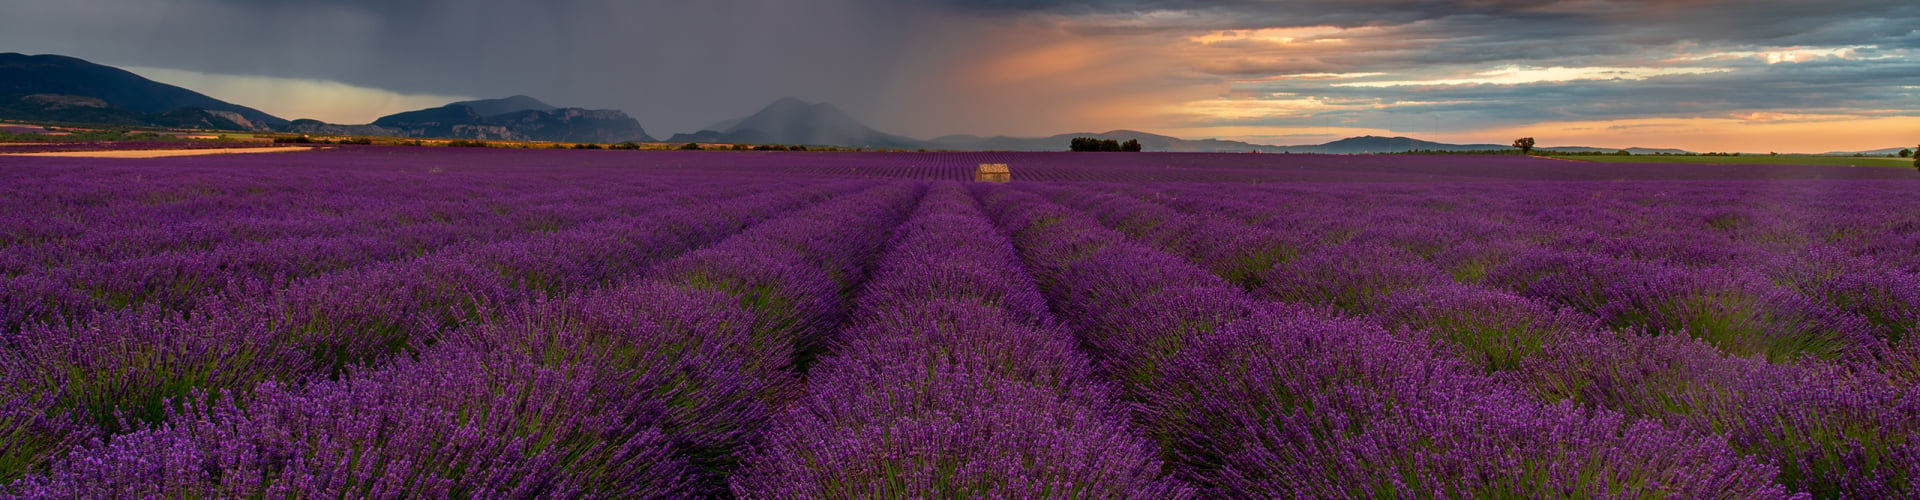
(463, 322)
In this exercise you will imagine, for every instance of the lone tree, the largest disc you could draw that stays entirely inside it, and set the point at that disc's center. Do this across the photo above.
(1525, 144)
(1906, 153)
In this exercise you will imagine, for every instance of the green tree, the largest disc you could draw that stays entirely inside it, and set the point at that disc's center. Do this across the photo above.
(1906, 153)
(1093, 144)
(1525, 144)
(691, 146)
(1131, 146)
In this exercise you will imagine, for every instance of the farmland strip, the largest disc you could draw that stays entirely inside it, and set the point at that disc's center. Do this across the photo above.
(1250, 398)
(953, 380)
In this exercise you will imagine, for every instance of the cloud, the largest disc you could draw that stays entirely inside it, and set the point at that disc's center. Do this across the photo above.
(931, 67)
(675, 65)
(1514, 75)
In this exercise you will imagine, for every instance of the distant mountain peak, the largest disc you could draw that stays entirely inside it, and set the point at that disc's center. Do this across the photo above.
(789, 120)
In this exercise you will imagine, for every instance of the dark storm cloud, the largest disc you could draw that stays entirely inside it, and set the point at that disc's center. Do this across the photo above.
(1828, 86)
(678, 65)
(1468, 31)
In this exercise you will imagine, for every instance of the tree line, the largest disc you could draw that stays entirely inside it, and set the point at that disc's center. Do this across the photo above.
(1090, 144)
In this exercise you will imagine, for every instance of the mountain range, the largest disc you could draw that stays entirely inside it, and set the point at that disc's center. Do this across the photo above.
(51, 88)
(517, 118)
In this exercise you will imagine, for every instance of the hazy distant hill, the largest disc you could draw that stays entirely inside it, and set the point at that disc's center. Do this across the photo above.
(1375, 144)
(1638, 151)
(517, 118)
(792, 121)
(1155, 142)
(1876, 152)
(65, 89)
(1148, 142)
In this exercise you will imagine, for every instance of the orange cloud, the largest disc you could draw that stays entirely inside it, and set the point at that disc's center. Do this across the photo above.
(1035, 78)
(1756, 134)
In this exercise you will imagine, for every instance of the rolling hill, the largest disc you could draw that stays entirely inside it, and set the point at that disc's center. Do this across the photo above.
(517, 118)
(51, 88)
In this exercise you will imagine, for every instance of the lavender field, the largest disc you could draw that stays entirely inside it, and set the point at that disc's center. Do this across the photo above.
(442, 322)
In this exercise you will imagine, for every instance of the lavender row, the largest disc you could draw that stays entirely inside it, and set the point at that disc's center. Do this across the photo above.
(1833, 429)
(91, 215)
(1254, 399)
(1709, 290)
(178, 279)
(1837, 436)
(952, 380)
(623, 392)
(708, 339)
(125, 366)
(790, 278)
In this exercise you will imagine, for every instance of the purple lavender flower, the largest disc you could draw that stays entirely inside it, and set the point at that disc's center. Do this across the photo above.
(1492, 330)
(1284, 403)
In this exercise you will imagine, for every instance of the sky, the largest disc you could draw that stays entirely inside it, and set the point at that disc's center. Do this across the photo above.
(1703, 75)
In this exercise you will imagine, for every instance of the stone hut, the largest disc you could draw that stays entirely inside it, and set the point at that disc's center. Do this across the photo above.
(992, 172)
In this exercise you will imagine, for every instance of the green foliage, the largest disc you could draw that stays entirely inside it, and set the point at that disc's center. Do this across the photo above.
(1906, 153)
(462, 143)
(691, 146)
(1090, 144)
(587, 146)
(629, 145)
(104, 135)
(1525, 144)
